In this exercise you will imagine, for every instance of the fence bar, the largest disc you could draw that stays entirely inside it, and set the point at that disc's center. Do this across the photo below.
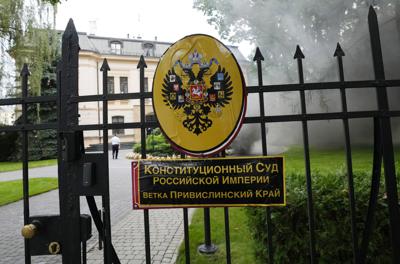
(227, 236)
(59, 139)
(247, 120)
(96, 215)
(106, 196)
(319, 116)
(29, 127)
(227, 227)
(100, 231)
(67, 169)
(141, 65)
(25, 176)
(373, 198)
(310, 204)
(33, 99)
(258, 57)
(109, 97)
(339, 54)
(147, 235)
(207, 228)
(186, 229)
(386, 133)
(250, 89)
(186, 234)
(208, 247)
(324, 86)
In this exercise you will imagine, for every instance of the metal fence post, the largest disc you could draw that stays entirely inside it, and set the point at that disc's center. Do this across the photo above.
(339, 54)
(258, 57)
(386, 134)
(141, 66)
(106, 196)
(25, 177)
(208, 247)
(67, 176)
(299, 56)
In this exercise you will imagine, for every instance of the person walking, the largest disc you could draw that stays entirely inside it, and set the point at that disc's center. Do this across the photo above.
(115, 146)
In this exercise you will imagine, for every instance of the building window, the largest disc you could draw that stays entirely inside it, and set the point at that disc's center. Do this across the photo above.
(148, 49)
(110, 84)
(123, 84)
(146, 84)
(116, 47)
(118, 120)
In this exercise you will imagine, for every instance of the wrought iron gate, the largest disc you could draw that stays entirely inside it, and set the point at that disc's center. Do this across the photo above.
(77, 176)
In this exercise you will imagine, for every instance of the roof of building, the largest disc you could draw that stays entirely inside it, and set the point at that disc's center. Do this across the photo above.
(133, 47)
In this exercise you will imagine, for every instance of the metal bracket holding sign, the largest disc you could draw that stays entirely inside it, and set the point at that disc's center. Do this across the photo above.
(237, 181)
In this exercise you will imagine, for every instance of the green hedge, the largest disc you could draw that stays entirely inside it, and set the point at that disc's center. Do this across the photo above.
(290, 237)
(156, 144)
(7, 145)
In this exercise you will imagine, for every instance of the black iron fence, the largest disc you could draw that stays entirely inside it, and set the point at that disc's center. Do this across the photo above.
(75, 165)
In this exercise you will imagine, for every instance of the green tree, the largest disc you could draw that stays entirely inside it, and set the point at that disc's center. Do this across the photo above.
(26, 36)
(42, 143)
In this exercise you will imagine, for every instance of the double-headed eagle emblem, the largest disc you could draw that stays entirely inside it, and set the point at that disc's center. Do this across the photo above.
(197, 91)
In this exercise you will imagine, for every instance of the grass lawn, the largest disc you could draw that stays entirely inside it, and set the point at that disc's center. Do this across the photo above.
(12, 166)
(242, 244)
(11, 191)
(332, 160)
(241, 241)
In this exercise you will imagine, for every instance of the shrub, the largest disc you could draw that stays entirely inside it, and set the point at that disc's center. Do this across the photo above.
(290, 237)
(7, 145)
(156, 144)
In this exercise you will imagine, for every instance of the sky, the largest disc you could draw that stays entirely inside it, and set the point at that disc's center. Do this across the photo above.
(167, 20)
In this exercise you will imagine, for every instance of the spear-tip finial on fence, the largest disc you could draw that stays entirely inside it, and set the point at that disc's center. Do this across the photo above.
(25, 70)
(371, 12)
(338, 51)
(258, 56)
(70, 25)
(142, 63)
(298, 54)
(104, 66)
(71, 36)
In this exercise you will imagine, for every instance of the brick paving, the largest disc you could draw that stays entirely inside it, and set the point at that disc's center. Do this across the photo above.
(166, 233)
(166, 226)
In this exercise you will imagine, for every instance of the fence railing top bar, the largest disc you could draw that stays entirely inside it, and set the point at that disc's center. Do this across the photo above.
(319, 116)
(133, 125)
(109, 97)
(29, 100)
(247, 120)
(323, 86)
(28, 127)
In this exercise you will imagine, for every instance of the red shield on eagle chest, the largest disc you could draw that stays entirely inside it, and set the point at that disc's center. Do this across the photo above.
(197, 92)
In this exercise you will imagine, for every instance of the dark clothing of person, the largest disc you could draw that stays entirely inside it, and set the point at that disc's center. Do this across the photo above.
(115, 149)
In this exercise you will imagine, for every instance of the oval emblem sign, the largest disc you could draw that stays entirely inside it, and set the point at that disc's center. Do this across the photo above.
(199, 95)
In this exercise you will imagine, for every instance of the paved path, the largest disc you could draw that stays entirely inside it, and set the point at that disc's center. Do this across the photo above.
(127, 225)
(50, 171)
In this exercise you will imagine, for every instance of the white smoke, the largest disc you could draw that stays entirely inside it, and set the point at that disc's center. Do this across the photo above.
(281, 20)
